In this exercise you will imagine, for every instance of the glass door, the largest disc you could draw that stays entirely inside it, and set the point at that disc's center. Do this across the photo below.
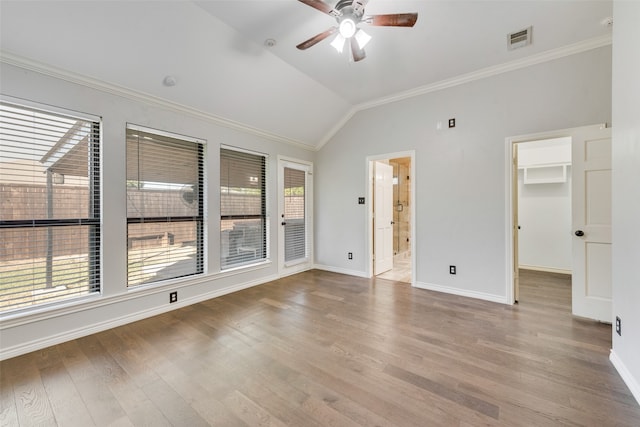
(295, 224)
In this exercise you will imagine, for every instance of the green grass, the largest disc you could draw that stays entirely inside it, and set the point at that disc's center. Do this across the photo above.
(17, 284)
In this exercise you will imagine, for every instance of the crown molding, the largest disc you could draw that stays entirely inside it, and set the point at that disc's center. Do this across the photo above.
(483, 73)
(495, 70)
(133, 95)
(336, 128)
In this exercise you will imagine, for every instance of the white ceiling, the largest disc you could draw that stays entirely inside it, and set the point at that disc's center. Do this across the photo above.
(216, 51)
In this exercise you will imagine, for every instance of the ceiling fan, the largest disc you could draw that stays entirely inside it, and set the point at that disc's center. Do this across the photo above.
(349, 14)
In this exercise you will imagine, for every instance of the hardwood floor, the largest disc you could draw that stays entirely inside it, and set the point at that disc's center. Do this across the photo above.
(319, 349)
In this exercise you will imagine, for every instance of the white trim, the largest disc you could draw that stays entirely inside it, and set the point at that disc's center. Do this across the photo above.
(300, 269)
(462, 292)
(550, 55)
(369, 211)
(629, 380)
(91, 302)
(50, 108)
(339, 125)
(508, 170)
(495, 70)
(6, 353)
(139, 128)
(341, 270)
(483, 73)
(296, 266)
(545, 269)
(113, 89)
(243, 150)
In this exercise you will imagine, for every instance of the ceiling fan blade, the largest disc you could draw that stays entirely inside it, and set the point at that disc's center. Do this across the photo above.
(356, 51)
(316, 39)
(321, 6)
(392, 20)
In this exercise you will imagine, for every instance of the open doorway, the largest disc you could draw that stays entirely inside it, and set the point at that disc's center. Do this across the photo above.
(543, 211)
(392, 218)
(589, 173)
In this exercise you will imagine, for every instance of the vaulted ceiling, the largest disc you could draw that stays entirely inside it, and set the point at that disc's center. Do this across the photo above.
(223, 68)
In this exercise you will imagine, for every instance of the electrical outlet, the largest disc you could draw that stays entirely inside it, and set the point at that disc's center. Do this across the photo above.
(618, 326)
(452, 269)
(350, 255)
(173, 297)
(361, 200)
(452, 123)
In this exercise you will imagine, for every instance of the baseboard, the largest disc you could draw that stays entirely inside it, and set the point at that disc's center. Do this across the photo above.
(462, 292)
(296, 270)
(341, 270)
(629, 380)
(7, 353)
(545, 269)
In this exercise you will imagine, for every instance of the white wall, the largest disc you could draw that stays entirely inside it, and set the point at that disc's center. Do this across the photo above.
(117, 304)
(626, 191)
(544, 214)
(460, 172)
(544, 210)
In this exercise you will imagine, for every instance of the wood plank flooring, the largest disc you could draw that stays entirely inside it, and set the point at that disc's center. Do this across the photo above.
(324, 349)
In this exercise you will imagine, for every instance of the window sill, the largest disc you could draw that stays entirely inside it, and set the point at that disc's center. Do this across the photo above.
(89, 302)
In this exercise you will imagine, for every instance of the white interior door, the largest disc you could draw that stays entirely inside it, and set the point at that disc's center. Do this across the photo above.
(383, 218)
(294, 237)
(516, 226)
(591, 218)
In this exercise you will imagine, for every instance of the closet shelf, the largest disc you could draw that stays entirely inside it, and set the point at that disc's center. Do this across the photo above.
(555, 173)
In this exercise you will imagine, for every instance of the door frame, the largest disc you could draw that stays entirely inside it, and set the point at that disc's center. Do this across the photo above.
(370, 179)
(283, 269)
(511, 201)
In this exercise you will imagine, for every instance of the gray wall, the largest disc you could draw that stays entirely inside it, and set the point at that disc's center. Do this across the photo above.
(626, 191)
(117, 304)
(460, 173)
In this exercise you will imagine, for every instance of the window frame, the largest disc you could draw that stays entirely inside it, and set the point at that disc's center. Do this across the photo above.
(94, 210)
(264, 215)
(199, 219)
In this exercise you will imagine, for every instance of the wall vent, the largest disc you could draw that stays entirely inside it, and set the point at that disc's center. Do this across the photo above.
(519, 39)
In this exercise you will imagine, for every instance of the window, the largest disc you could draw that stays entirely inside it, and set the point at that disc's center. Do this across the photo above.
(164, 206)
(294, 217)
(49, 206)
(243, 222)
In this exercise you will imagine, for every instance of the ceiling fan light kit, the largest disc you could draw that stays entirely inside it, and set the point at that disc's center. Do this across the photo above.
(362, 38)
(347, 28)
(349, 14)
(338, 43)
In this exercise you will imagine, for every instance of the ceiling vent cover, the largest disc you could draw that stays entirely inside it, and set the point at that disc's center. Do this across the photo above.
(519, 39)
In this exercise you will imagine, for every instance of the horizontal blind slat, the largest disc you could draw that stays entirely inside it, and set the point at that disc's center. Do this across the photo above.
(295, 239)
(49, 206)
(164, 207)
(242, 208)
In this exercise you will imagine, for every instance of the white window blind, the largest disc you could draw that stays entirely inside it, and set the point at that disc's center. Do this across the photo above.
(242, 208)
(49, 206)
(164, 206)
(295, 230)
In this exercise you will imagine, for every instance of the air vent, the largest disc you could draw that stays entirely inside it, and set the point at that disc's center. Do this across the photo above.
(519, 39)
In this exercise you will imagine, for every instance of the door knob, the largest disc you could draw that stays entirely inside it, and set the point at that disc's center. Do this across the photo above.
(579, 233)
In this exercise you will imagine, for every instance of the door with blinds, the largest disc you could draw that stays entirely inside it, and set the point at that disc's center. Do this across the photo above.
(294, 237)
